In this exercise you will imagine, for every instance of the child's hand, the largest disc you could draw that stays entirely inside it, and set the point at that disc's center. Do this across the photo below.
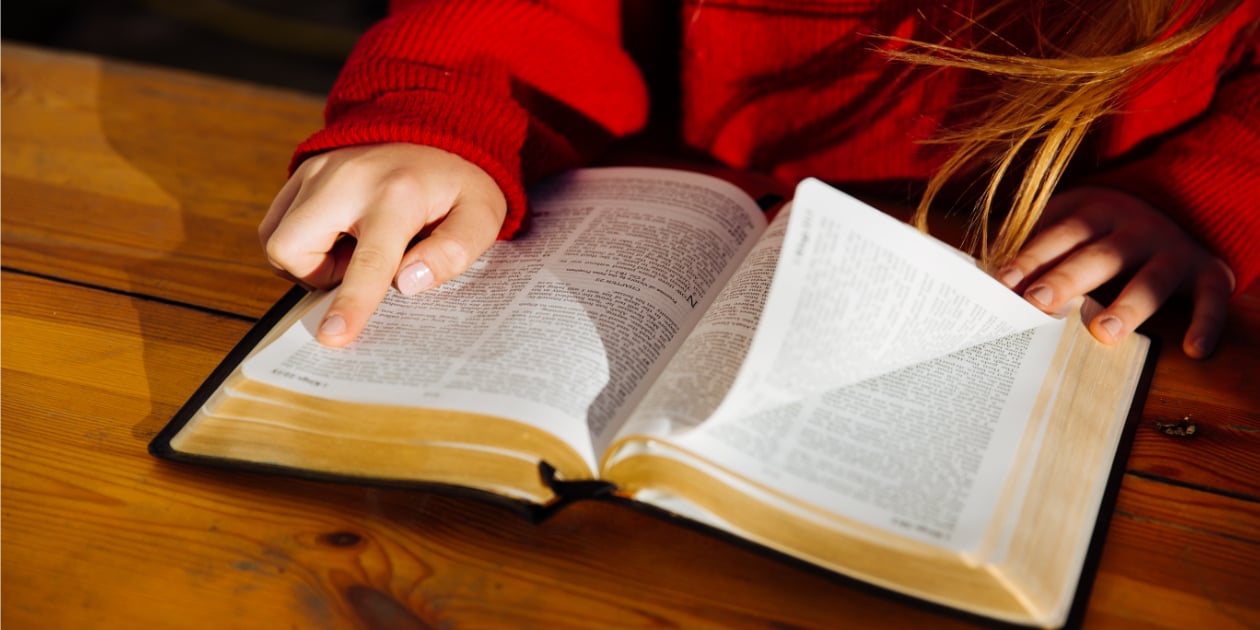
(1089, 236)
(382, 196)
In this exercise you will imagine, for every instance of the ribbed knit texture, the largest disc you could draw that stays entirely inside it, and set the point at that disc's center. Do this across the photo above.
(1207, 178)
(790, 88)
(450, 74)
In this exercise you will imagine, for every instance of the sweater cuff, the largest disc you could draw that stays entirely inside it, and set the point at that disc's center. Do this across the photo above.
(426, 118)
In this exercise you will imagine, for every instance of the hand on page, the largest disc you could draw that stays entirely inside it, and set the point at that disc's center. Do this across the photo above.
(1089, 236)
(347, 216)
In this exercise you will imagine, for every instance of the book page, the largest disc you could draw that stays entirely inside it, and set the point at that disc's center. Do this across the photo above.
(857, 294)
(888, 379)
(557, 328)
(700, 374)
(922, 451)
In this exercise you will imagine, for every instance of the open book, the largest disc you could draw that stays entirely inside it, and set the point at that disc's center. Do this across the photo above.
(832, 385)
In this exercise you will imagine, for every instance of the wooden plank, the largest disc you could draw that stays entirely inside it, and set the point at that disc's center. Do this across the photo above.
(142, 179)
(1220, 395)
(136, 542)
(151, 181)
(1178, 558)
(98, 533)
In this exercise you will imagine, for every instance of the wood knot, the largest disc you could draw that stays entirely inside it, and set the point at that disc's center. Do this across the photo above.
(1184, 427)
(341, 539)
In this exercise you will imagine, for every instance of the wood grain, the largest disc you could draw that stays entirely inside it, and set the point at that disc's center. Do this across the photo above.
(111, 529)
(1220, 395)
(1178, 558)
(144, 180)
(134, 193)
(148, 540)
(153, 181)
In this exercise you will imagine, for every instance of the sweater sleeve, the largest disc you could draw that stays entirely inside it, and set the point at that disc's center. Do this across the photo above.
(1206, 176)
(498, 82)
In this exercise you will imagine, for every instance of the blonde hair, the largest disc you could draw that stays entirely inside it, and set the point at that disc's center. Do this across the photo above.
(1082, 62)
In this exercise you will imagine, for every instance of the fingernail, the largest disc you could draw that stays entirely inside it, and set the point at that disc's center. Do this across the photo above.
(1204, 344)
(333, 325)
(1042, 295)
(1010, 277)
(415, 278)
(1112, 325)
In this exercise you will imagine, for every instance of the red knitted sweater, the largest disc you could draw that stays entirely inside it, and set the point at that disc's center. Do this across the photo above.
(525, 88)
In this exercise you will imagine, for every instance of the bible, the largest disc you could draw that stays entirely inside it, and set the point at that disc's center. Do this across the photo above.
(831, 385)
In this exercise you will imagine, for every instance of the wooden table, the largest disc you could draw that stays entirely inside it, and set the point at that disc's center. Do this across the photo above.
(131, 266)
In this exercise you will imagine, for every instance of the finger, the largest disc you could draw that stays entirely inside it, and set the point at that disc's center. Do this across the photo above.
(1139, 299)
(1212, 289)
(301, 245)
(338, 261)
(279, 207)
(367, 278)
(1080, 272)
(307, 239)
(1047, 248)
(307, 242)
(454, 244)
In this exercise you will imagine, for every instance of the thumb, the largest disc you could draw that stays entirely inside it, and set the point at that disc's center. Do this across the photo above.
(450, 248)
